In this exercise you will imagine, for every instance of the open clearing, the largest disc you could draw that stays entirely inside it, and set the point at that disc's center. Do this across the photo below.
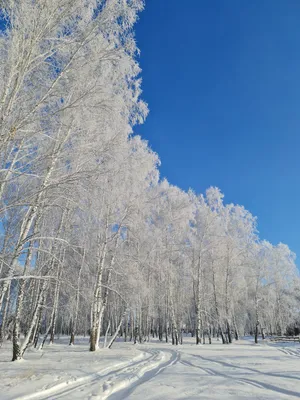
(153, 371)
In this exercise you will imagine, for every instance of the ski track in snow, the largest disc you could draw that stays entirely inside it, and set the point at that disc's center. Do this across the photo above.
(157, 366)
(290, 352)
(246, 381)
(111, 383)
(122, 394)
(67, 387)
(183, 359)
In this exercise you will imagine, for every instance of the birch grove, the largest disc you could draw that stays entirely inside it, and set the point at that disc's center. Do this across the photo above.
(92, 241)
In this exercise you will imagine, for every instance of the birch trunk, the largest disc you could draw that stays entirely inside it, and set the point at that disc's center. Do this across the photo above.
(3, 322)
(16, 333)
(97, 299)
(74, 324)
(117, 330)
(199, 324)
(220, 330)
(39, 305)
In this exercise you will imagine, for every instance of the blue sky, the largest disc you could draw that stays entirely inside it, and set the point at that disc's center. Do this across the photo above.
(222, 79)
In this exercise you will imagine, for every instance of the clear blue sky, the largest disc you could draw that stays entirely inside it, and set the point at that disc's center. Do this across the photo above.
(222, 79)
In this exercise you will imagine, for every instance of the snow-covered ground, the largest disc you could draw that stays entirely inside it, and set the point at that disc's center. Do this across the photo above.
(153, 371)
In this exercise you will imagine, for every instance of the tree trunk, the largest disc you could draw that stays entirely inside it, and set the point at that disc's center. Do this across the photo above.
(106, 334)
(3, 322)
(96, 315)
(117, 330)
(34, 317)
(256, 332)
(74, 324)
(16, 332)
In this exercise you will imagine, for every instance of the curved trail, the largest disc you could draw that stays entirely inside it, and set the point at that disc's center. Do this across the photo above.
(189, 372)
(192, 375)
(290, 352)
(147, 376)
(68, 387)
(229, 372)
(115, 382)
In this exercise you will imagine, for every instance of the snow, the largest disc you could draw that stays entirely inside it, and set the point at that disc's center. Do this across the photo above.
(153, 371)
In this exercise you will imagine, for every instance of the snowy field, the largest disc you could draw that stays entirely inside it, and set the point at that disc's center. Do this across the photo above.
(153, 371)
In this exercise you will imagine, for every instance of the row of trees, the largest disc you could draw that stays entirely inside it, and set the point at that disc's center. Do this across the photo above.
(91, 240)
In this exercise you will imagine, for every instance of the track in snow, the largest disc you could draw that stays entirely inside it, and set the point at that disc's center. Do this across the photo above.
(147, 376)
(289, 351)
(191, 372)
(244, 381)
(111, 383)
